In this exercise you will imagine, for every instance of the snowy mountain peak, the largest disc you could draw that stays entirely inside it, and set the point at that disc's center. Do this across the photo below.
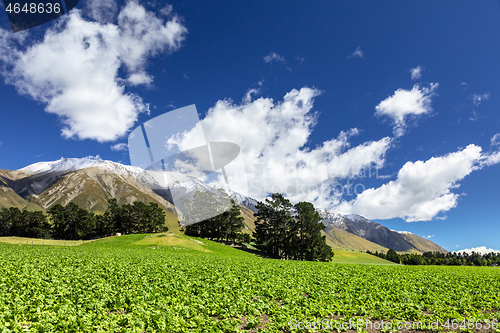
(358, 218)
(73, 164)
(63, 164)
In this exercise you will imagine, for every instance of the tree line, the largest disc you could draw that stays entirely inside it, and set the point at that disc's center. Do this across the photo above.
(72, 223)
(282, 230)
(227, 226)
(439, 258)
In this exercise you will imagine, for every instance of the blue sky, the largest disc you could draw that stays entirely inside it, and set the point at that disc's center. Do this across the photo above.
(407, 88)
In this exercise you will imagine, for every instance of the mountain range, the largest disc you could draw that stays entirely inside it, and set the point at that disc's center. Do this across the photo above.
(89, 183)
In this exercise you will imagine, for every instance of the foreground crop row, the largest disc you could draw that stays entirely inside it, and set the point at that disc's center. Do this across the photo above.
(167, 289)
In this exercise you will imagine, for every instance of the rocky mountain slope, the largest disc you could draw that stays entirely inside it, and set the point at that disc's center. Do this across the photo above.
(345, 230)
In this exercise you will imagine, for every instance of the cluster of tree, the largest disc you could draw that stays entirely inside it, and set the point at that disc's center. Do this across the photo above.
(287, 231)
(15, 222)
(71, 222)
(445, 259)
(226, 226)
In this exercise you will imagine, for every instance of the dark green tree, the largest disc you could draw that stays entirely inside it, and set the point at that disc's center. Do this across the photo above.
(308, 243)
(392, 256)
(273, 228)
(35, 225)
(225, 226)
(71, 222)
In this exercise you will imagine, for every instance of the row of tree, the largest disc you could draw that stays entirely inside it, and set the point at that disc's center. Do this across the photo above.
(282, 230)
(227, 226)
(438, 258)
(71, 222)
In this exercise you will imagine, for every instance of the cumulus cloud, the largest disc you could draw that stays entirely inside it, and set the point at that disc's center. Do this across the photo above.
(273, 57)
(405, 105)
(119, 147)
(273, 137)
(422, 190)
(358, 53)
(477, 99)
(416, 73)
(480, 250)
(75, 69)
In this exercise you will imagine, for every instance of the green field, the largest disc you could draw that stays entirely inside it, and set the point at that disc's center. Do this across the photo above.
(172, 283)
(352, 257)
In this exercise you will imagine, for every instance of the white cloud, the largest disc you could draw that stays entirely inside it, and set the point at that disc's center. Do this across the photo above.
(140, 78)
(143, 34)
(480, 250)
(358, 53)
(90, 157)
(74, 70)
(491, 159)
(273, 57)
(273, 137)
(248, 96)
(428, 236)
(103, 11)
(421, 191)
(416, 73)
(405, 105)
(478, 99)
(495, 140)
(119, 147)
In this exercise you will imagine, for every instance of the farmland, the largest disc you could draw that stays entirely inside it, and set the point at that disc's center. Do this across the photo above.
(146, 283)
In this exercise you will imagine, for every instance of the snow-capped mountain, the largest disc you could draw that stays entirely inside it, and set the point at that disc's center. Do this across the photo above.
(90, 182)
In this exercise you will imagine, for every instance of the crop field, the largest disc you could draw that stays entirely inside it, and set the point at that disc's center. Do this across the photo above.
(146, 283)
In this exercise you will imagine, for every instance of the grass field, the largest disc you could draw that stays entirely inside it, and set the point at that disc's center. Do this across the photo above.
(172, 283)
(352, 257)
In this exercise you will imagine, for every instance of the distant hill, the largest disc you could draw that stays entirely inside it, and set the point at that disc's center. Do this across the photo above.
(345, 230)
(90, 183)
